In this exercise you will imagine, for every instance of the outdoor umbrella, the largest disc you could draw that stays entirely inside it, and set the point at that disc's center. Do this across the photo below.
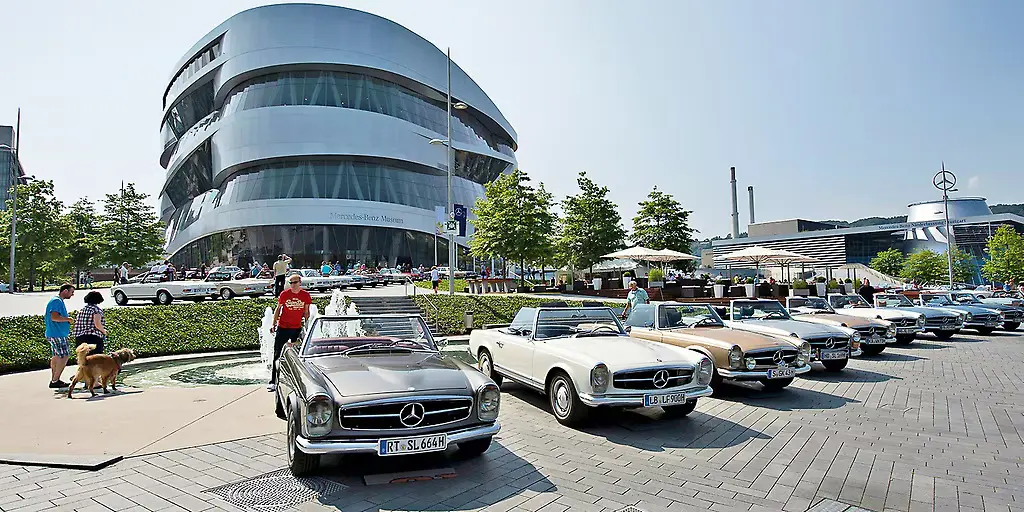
(634, 253)
(762, 255)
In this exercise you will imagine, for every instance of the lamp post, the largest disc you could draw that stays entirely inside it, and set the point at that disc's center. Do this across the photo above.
(13, 168)
(450, 164)
(945, 181)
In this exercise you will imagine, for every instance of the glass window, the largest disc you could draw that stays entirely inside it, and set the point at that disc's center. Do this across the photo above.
(199, 62)
(641, 316)
(523, 322)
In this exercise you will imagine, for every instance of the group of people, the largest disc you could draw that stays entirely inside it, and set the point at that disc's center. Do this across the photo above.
(87, 327)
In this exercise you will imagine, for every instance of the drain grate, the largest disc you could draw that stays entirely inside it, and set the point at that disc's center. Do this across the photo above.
(276, 492)
(631, 508)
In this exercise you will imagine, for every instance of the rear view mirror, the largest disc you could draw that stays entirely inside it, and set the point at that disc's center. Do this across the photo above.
(441, 342)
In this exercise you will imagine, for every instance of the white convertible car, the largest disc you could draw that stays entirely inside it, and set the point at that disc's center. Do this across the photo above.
(154, 286)
(582, 358)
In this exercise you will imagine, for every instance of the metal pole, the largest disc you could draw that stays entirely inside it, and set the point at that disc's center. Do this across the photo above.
(949, 235)
(450, 208)
(15, 165)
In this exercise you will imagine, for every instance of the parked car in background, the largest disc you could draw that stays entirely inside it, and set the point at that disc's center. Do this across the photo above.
(358, 280)
(1012, 316)
(337, 280)
(312, 279)
(941, 322)
(392, 275)
(982, 319)
(379, 384)
(831, 346)
(228, 285)
(907, 323)
(154, 286)
(581, 358)
(874, 333)
(459, 274)
(737, 355)
(1015, 299)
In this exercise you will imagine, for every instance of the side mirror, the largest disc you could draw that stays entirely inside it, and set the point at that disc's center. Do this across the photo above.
(628, 328)
(441, 342)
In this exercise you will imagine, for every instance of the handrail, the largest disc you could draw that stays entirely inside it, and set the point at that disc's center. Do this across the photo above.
(437, 311)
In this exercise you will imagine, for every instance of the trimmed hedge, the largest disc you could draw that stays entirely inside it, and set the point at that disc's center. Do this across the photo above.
(461, 285)
(149, 330)
(487, 309)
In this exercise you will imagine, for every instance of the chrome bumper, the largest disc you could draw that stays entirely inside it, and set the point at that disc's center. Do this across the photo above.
(909, 330)
(755, 374)
(326, 446)
(637, 400)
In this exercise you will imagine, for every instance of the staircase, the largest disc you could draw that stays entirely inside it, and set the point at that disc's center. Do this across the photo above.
(392, 305)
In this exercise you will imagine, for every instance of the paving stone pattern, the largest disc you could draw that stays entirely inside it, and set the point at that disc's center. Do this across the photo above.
(936, 426)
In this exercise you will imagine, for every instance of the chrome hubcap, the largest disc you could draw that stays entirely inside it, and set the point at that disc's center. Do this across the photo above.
(485, 365)
(561, 395)
(225, 293)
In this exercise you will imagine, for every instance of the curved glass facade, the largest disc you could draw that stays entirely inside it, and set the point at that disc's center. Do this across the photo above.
(310, 245)
(199, 62)
(193, 177)
(361, 92)
(186, 112)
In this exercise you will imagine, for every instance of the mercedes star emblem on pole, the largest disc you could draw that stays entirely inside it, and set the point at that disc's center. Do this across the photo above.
(412, 414)
(944, 180)
(661, 379)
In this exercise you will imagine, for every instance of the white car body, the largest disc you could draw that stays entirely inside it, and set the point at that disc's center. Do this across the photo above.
(225, 287)
(827, 342)
(312, 279)
(444, 272)
(907, 323)
(150, 286)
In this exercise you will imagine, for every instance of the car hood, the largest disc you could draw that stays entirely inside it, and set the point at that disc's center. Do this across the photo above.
(838, 320)
(885, 313)
(787, 327)
(928, 312)
(746, 340)
(377, 374)
(974, 310)
(995, 306)
(620, 352)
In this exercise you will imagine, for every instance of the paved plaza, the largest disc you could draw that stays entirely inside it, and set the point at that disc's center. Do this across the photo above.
(935, 426)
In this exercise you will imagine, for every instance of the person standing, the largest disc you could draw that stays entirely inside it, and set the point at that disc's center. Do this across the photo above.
(292, 311)
(634, 298)
(89, 326)
(280, 270)
(123, 270)
(435, 278)
(867, 291)
(58, 329)
(325, 269)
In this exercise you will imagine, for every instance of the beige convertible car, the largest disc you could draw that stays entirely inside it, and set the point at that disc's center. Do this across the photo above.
(738, 355)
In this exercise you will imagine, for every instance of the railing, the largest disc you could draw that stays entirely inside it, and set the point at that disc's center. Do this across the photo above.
(435, 323)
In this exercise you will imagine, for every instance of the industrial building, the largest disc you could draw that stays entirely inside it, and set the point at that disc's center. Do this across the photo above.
(9, 164)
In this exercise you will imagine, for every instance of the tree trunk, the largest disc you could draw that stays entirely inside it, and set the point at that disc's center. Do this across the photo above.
(32, 274)
(522, 272)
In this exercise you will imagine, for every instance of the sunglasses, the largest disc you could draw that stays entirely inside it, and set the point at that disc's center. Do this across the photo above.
(294, 282)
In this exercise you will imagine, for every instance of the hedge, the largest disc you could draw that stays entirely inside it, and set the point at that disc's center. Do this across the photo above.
(487, 309)
(149, 330)
(461, 285)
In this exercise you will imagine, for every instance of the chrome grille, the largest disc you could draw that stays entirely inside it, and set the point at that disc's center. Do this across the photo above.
(867, 332)
(940, 321)
(645, 379)
(388, 415)
(1012, 315)
(765, 358)
(821, 343)
(984, 319)
(904, 322)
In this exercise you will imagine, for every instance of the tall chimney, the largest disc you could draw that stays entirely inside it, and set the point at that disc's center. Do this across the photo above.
(735, 207)
(750, 192)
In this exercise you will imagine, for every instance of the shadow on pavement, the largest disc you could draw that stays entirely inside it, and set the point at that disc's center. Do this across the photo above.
(893, 356)
(788, 399)
(923, 345)
(850, 375)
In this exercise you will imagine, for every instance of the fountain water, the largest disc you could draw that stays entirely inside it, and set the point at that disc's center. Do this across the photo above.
(335, 307)
(267, 338)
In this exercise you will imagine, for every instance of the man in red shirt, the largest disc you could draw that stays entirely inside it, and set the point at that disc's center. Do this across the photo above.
(292, 311)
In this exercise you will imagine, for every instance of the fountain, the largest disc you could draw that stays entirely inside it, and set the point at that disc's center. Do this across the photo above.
(267, 338)
(335, 307)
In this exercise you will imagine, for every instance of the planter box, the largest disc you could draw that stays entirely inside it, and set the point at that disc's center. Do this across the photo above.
(834, 290)
(782, 291)
(820, 289)
(802, 292)
(657, 284)
(737, 291)
(719, 291)
(690, 292)
(750, 290)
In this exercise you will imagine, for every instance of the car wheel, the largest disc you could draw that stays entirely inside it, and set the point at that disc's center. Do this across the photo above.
(835, 366)
(120, 298)
(565, 402)
(679, 411)
(872, 350)
(278, 407)
(776, 384)
(985, 331)
(299, 462)
(944, 335)
(226, 293)
(163, 298)
(486, 366)
(359, 287)
(905, 339)
(475, 447)
(1011, 326)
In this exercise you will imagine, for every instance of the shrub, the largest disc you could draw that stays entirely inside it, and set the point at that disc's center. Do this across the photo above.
(799, 284)
(487, 309)
(857, 284)
(819, 279)
(848, 281)
(461, 285)
(833, 284)
(656, 275)
(724, 282)
(749, 280)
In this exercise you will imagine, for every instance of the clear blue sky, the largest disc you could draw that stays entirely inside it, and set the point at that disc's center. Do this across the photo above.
(837, 109)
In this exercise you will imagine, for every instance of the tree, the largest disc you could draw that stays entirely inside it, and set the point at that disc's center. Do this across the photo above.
(514, 221)
(43, 234)
(925, 267)
(590, 226)
(1006, 256)
(964, 267)
(889, 262)
(84, 225)
(129, 229)
(662, 223)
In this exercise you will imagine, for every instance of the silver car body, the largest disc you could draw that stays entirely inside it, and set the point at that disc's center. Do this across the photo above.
(906, 322)
(151, 286)
(825, 338)
(936, 320)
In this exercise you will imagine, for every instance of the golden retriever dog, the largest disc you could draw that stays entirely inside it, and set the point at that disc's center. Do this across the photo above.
(101, 368)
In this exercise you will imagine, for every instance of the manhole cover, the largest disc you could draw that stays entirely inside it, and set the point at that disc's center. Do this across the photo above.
(631, 508)
(277, 491)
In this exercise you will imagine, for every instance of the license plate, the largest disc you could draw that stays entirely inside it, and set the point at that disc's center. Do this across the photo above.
(670, 399)
(904, 330)
(992, 324)
(829, 355)
(419, 444)
(874, 340)
(781, 373)
(945, 327)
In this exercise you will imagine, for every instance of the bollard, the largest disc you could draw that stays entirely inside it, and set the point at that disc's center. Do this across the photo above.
(467, 320)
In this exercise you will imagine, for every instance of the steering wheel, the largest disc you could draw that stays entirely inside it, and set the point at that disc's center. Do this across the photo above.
(705, 320)
(605, 327)
(775, 314)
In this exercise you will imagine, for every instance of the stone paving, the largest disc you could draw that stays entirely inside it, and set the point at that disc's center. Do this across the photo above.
(935, 426)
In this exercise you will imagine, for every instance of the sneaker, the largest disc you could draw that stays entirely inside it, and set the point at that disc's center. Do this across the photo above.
(271, 387)
(59, 384)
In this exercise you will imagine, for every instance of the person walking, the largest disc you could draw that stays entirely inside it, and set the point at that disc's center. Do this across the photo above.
(634, 298)
(89, 327)
(435, 278)
(123, 271)
(280, 270)
(867, 291)
(325, 269)
(292, 311)
(58, 329)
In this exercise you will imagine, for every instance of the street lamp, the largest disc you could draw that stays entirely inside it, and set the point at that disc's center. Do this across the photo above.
(945, 181)
(447, 142)
(15, 179)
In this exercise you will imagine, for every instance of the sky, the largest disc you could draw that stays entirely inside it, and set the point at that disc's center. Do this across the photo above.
(831, 110)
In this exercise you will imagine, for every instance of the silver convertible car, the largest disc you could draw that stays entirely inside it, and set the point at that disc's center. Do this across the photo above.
(378, 384)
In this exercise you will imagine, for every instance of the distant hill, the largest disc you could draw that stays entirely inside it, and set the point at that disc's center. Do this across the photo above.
(1017, 209)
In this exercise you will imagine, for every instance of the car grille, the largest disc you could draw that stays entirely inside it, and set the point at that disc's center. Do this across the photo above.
(904, 322)
(822, 343)
(867, 332)
(940, 321)
(1011, 315)
(388, 416)
(765, 358)
(984, 319)
(644, 379)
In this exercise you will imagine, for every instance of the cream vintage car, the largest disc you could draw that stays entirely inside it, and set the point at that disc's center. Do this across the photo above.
(155, 287)
(582, 358)
(738, 355)
(907, 323)
(874, 333)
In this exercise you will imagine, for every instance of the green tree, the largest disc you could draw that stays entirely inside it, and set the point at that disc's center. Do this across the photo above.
(925, 267)
(590, 226)
(43, 235)
(889, 262)
(514, 221)
(129, 229)
(663, 223)
(84, 225)
(1006, 256)
(964, 267)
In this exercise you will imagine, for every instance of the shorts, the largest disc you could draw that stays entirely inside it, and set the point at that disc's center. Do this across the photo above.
(59, 346)
(435, 283)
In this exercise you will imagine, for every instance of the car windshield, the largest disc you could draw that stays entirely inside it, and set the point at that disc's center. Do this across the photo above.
(894, 301)
(673, 316)
(968, 298)
(554, 323)
(760, 310)
(848, 301)
(936, 300)
(332, 336)
(815, 303)
(310, 273)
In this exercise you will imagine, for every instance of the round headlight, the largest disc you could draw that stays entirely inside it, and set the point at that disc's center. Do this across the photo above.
(856, 336)
(318, 416)
(890, 331)
(805, 354)
(735, 358)
(704, 371)
(599, 378)
(920, 321)
(969, 317)
(750, 363)
(488, 400)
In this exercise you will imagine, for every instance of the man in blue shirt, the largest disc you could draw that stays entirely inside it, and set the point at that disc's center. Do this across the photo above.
(58, 329)
(634, 298)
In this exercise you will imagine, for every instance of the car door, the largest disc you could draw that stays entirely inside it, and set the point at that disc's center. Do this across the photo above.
(514, 347)
(144, 289)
